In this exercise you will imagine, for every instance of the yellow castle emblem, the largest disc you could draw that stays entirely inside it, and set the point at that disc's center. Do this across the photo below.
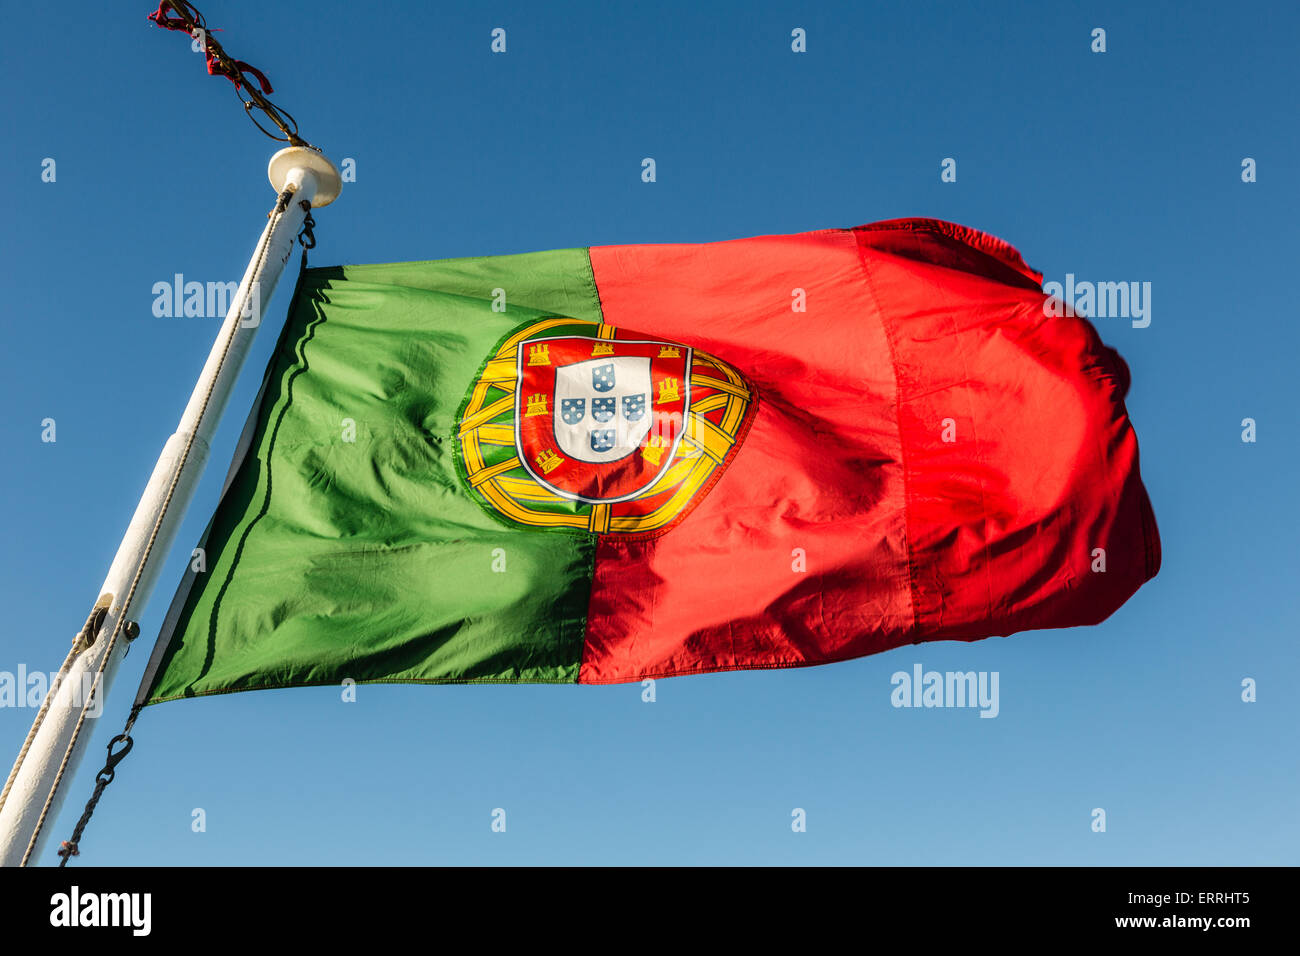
(548, 461)
(653, 451)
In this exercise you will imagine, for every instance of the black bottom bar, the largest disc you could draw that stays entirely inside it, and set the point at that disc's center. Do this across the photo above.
(329, 905)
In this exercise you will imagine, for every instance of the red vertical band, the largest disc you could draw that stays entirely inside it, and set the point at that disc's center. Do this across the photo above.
(931, 456)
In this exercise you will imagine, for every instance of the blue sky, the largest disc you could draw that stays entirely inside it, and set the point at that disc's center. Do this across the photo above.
(1115, 166)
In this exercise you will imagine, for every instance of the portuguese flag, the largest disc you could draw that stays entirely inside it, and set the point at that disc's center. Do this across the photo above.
(627, 462)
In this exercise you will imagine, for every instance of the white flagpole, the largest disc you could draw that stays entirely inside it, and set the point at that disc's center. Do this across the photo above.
(30, 802)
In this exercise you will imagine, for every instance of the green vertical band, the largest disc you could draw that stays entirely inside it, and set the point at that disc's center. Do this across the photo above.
(346, 545)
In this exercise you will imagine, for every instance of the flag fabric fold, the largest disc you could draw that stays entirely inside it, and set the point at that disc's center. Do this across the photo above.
(627, 462)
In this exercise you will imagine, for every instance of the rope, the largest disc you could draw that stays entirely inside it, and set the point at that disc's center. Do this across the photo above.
(189, 20)
(36, 724)
(85, 637)
(70, 847)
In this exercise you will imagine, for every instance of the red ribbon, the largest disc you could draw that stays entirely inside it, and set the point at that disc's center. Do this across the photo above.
(215, 66)
(161, 18)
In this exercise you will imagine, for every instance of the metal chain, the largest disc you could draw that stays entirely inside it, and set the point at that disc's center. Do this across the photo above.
(306, 238)
(70, 848)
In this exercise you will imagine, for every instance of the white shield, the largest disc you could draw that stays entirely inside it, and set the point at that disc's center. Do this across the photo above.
(605, 431)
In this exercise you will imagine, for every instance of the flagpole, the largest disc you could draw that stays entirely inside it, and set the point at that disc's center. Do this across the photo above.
(34, 791)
